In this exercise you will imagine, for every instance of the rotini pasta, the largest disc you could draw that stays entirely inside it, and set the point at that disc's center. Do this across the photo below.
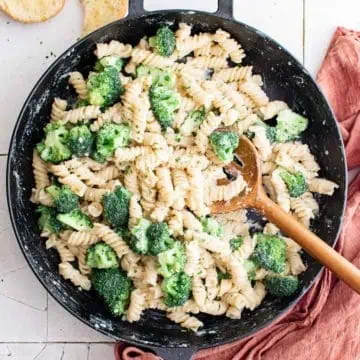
(58, 109)
(143, 175)
(78, 82)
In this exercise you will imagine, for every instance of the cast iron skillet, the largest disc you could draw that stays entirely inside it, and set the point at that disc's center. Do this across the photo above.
(284, 78)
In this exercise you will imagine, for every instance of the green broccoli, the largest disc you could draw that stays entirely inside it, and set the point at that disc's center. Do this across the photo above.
(295, 182)
(192, 121)
(163, 43)
(76, 219)
(223, 275)
(270, 252)
(47, 221)
(280, 285)
(109, 138)
(101, 256)
(159, 238)
(124, 233)
(80, 103)
(65, 200)
(104, 88)
(54, 148)
(111, 60)
(271, 134)
(289, 125)
(164, 102)
(251, 267)
(81, 141)
(159, 76)
(139, 241)
(98, 157)
(270, 131)
(235, 243)
(212, 227)
(224, 143)
(176, 289)
(114, 287)
(173, 260)
(116, 207)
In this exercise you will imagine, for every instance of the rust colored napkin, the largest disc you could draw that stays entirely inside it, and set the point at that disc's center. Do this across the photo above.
(325, 323)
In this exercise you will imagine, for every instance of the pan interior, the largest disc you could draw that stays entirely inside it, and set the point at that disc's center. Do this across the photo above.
(284, 79)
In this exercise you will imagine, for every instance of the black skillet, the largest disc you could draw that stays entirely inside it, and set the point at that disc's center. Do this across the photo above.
(284, 78)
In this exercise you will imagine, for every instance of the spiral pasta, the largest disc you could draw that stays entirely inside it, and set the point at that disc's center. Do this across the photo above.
(82, 238)
(40, 172)
(255, 92)
(111, 238)
(84, 113)
(164, 170)
(58, 109)
(186, 321)
(68, 272)
(113, 48)
(77, 80)
(136, 307)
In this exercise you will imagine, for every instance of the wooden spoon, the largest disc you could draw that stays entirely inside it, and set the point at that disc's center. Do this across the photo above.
(256, 198)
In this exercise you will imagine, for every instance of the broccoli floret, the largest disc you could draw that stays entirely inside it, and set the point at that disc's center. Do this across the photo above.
(139, 241)
(173, 260)
(81, 141)
(98, 157)
(251, 267)
(159, 76)
(280, 286)
(110, 137)
(289, 125)
(81, 103)
(124, 233)
(212, 227)
(270, 252)
(223, 275)
(270, 131)
(114, 287)
(163, 43)
(224, 143)
(164, 102)
(235, 243)
(271, 134)
(76, 220)
(112, 60)
(176, 289)
(193, 121)
(47, 221)
(101, 256)
(65, 200)
(295, 182)
(104, 88)
(159, 238)
(116, 207)
(54, 148)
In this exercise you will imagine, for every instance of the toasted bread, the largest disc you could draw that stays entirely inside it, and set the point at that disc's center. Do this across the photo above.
(98, 13)
(31, 11)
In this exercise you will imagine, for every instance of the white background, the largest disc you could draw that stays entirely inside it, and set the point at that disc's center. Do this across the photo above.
(32, 325)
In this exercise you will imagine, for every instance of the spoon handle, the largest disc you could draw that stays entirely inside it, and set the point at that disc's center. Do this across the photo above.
(311, 243)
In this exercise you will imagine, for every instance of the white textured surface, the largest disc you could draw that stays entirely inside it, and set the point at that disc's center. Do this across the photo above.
(33, 325)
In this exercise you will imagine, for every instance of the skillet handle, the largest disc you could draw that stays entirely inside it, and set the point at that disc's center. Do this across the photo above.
(136, 8)
(174, 353)
(225, 9)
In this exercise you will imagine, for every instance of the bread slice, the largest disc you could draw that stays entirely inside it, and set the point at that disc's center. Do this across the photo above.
(98, 13)
(31, 11)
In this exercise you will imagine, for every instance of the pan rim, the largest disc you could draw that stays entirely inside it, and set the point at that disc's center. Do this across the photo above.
(61, 58)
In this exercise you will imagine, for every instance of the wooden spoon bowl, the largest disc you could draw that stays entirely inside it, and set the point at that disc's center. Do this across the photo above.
(256, 197)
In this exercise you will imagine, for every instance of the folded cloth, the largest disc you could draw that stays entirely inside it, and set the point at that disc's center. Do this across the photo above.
(324, 324)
